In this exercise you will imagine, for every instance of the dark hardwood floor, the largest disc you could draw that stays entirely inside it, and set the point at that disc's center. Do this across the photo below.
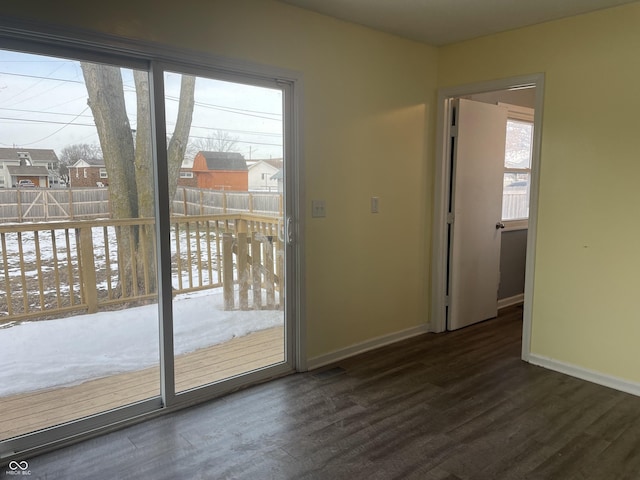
(452, 406)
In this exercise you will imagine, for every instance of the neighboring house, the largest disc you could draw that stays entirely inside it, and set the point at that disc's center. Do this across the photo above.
(88, 173)
(261, 174)
(35, 164)
(278, 177)
(187, 178)
(221, 171)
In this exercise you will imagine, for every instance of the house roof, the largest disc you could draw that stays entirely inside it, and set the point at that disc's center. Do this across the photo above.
(276, 163)
(224, 161)
(89, 162)
(36, 154)
(28, 170)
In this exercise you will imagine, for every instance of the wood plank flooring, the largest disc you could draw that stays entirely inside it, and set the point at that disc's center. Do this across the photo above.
(32, 411)
(454, 406)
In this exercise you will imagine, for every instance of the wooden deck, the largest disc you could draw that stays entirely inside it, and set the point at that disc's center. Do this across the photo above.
(24, 413)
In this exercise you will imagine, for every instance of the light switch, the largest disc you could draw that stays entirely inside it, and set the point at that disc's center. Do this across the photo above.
(318, 209)
(375, 204)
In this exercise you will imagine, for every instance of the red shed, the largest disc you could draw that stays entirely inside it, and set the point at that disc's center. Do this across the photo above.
(221, 171)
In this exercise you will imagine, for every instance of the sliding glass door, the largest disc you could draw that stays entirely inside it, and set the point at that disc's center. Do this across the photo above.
(145, 239)
(227, 221)
(78, 314)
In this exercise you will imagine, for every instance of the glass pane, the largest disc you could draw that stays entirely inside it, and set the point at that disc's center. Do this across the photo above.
(518, 144)
(518, 151)
(227, 237)
(515, 197)
(78, 313)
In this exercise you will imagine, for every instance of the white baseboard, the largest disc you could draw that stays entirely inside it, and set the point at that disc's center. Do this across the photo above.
(585, 374)
(341, 354)
(509, 301)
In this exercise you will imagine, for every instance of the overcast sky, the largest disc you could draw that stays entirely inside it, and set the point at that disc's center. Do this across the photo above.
(43, 104)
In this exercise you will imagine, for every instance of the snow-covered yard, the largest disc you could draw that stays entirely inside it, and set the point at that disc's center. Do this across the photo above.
(66, 351)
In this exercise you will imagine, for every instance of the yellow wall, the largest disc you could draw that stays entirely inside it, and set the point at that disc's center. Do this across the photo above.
(368, 123)
(585, 309)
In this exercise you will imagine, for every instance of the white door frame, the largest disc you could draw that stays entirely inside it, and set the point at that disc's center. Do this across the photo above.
(442, 189)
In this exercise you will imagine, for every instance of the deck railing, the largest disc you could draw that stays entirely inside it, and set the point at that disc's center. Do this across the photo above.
(53, 269)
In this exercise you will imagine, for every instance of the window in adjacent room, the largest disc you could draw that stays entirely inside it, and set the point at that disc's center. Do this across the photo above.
(517, 164)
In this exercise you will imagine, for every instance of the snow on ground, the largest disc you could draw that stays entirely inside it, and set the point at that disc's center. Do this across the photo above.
(68, 351)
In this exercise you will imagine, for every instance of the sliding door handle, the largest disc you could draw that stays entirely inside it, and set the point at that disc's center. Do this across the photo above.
(289, 231)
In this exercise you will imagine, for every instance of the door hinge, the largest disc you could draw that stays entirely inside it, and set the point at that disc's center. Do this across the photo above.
(450, 217)
(453, 131)
(446, 300)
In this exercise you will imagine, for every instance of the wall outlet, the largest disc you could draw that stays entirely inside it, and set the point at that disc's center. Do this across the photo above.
(318, 209)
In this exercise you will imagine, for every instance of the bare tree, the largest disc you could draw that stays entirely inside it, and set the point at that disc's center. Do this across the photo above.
(128, 160)
(78, 151)
(217, 141)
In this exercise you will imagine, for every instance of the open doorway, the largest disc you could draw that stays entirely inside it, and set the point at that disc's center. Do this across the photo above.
(457, 283)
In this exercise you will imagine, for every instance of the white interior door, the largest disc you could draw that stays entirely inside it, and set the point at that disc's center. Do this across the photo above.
(474, 250)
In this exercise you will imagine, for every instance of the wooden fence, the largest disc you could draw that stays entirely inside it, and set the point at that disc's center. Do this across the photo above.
(50, 270)
(45, 204)
(198, 201)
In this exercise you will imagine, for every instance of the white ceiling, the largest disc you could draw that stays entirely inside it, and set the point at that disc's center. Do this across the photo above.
(440, 22)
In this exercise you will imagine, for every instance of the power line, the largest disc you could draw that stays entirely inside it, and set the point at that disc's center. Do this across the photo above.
(40, 80)
(235, 109)
(67, 102)
(242, 141)
(41, 112)
(41, 77)
(230, 130)
(67, 124)
(32, 120)
(61, 128)
(239, 111)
